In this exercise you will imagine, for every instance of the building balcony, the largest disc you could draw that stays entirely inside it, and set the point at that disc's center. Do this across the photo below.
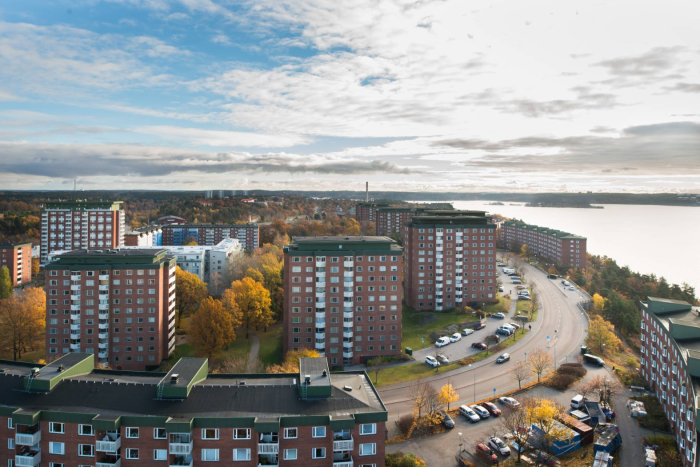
(347, 354)
(438, 308)
(75, 307)
(438, 271)
(320, 264)
(75, 327)
(439, 286)
(320, 335)
(320, 345)
(343, 444)
(459, 248)
(348, 294)
(320, 305)
(348, 264)
(27, 439)
(103, 335)
(28, 459)
(109, 461)
(181, 462)
(321, 274)
(320, 294)
(103, 345)
(110, 445)
(320, 284)
(104, 287)
(347, 334)
(459, 255)
(438, 248)
(103, 326)
(268, 448)
(181, 449)
(103, 315)
(75, 297)
(104, 306)
(75, 346)
(348, 314)
(459, 270)
(104, 277)
(102, 355)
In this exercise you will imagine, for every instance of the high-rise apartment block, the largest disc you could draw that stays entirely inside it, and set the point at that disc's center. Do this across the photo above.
(391, 220)
(670, 364)
(342, 297)
(73, 225)
(116, 304)
(18, 259)
(65, 413)
(563, 248)
(367, 212)
(211, 234)
(450, 260)
(151, 235)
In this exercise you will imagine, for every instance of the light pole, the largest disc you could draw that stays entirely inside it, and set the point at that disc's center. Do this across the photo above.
(555, 350)
(474, 373)
(460, 442)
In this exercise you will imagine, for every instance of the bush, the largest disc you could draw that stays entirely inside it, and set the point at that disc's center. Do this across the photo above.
(404, 424)
(399, 459)
(561, 381)
(655, 418)
(573, 371)
(664, 442)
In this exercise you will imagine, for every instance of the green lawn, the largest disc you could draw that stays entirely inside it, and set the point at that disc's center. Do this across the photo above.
(271, 345)
(503, 305)
(419, 324)
(239, 348)
(33, 356)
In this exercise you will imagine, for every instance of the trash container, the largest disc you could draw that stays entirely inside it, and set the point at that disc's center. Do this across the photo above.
(409, 351)
(584, 349)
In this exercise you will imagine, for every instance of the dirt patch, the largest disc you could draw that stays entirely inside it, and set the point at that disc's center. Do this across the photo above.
(427, 319)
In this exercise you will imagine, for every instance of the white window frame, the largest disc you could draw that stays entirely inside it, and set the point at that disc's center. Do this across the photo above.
(129, 453)
(130, 434)
(373, 427)
(80, 450)
(52, 428)
(287, 455)
(313, 453)
(157, 451)
(216, 434)
(57, 443)
(82, 433)
(313, 431)
(247, 430)
(216, 451)
(246, 456)
(373, 449)
(288, 430)
(10, 424)
(155, 433)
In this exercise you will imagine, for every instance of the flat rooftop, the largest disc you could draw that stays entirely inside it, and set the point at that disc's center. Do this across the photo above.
(115, 253)
(342, 239)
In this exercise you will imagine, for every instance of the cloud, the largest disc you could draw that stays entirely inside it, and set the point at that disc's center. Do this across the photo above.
(685, 87)
(6, 96)
(178, 16)
(221, 38)
(200, 137)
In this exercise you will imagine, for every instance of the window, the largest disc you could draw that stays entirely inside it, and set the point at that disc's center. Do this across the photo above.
(132, 453)
(290, 433)
(57, 448)
(55, 427)
(159, 433)
(210, 455)
(132, 432)
(210, 433)
(10, 443)
(368, 429)
(241, 433)
(241, 454)
(318, 432)
(290, 454)
(86, 450)
(160, 454)
(85, 430)
(10, 424)
(318, 453)
(368, 449)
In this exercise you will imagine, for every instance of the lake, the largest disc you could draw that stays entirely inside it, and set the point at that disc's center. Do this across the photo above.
(663, 240)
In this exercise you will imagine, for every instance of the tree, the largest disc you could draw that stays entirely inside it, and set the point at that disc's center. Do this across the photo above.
(525, 251)
(210, 328)
(190, 241)
(22, 321)
(35, 266)
(448, 395)
(5, 283)
(539, 361)
(517, 421)
(599, 303)
(228, 300)
(520, 371)
(375, 365)
(605, 389)
(189, 291)
(399, 459)
(544, 414)
(290, 364)
(255, 274)
(237, 365)
(534, 301)
(253, 302)
(491, 339)
(601, 335)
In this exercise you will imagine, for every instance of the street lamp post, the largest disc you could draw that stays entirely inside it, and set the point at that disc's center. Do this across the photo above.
(460, 442)
(474, 384)
(555, 350)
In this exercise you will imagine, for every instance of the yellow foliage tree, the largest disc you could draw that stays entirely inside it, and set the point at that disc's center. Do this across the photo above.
(255, 274)
(544, 414)
(601, 335)
(22, 322)
(290, 364)
(210, 328)
(228, 300)
(189, 291)
(599, 303)
(539, 361)
(254, 303)
(448, 395)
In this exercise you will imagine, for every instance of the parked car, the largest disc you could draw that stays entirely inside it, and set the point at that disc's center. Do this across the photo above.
(517, 282)
(455, 337)
(503, 358)
(447, 420)
(520, 287)
(565, 282)
(491, 407)
(552, 276)
(479, 326)
(469, 413)
(578, 402)
(523, 292)
(524, 297)
(486, 453)
(514, 325)
(508, 401)
(480, 411)
(443, 360)
(499, 316)
(479, 345)
(499, 446)
(431, 361)
(500, 288)
(504, 331)
(467, 332)
(441, 342)
(572, 288)
(588, 358)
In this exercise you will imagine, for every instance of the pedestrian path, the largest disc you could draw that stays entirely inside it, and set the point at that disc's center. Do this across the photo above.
(254, 350)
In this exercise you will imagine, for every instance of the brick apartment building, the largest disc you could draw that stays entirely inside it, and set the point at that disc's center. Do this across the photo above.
(671, 366)
(151, 235)
(391, 220)
(450, 259)
(170, 220)
(563, 248)
(69, 414)
(73, 225)
(18, 259)
(367, 211)
(211, 234)
(342, 296)
(116, 304)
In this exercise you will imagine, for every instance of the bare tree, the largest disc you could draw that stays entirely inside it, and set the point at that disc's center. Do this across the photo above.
(517, 422)
(417, 393)
(491, 339)
(535, 301)
(539, 361)
(605, 388)
(520, 372)
(376, 365)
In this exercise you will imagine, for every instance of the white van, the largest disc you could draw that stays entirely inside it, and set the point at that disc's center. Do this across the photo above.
(578, 402)
(566, 283)
(508, 271)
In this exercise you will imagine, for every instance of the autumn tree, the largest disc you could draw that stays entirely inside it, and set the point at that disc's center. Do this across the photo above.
(254, 303)
(189, 292)
(290, 364)
(210, 328)
(489, 340)
(22, 321)
(237, 365)
(228, 301)
(255, 274)
(190, 241)
(544, 415)
(448, 395)
(5, 283)
(539, 361)
(525, 251)
(399, 459)
(35, 266)
(519, 372)
(376, 365)
(601, 334)
(599, 303)
(517, 421)
(603, 387)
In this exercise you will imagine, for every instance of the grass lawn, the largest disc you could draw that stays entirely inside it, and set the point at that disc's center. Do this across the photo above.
(503, 305)
(33, 356)
(524, 306)
(239, 348)
(417, 324)
(271, 345)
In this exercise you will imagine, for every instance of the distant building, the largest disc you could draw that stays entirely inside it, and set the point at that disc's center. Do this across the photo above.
(68, 413)
(151, 235)
(450, 260)
(670, 364)
(211, 234)
(86, 225)
(563, 248)
(121, 305)
(170, 220)
(342, 296)
(367, 211)
(18, 259)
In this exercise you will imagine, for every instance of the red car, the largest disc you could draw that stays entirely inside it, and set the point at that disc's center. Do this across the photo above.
(491, 407)
(479, 345)
(479, 326)
(486, 453)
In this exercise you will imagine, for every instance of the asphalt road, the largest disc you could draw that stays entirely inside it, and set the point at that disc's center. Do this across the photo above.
(558, 311)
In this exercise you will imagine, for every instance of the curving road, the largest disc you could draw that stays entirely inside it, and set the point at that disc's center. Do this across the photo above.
(558, 311)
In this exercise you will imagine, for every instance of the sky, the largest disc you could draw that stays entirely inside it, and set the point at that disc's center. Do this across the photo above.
(410, 95)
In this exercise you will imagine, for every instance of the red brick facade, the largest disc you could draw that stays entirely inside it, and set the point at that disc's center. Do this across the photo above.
(563, 248)
(247, 234)
(18, 259)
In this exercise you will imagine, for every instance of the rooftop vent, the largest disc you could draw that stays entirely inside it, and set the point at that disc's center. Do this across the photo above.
(241, 383)
(307, 378)
(35, 371)
(60, 368)
(347, 388)
(174, 377)
(325, 373)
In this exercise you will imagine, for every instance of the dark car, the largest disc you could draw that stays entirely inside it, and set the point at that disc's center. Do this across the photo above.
(479, 326)
(503, 358)
(486, 453)
(447, 420)
(491, 407)
(479, 345)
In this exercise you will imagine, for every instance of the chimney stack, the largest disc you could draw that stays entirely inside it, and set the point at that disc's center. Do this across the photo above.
(366, 191)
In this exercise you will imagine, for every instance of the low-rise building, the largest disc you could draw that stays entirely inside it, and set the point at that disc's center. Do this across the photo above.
(170, 220)
(211, 234)
(17, 257)
(150, 235)
(670, 364)
(342, 296)
(563, 248)
(68, 413)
